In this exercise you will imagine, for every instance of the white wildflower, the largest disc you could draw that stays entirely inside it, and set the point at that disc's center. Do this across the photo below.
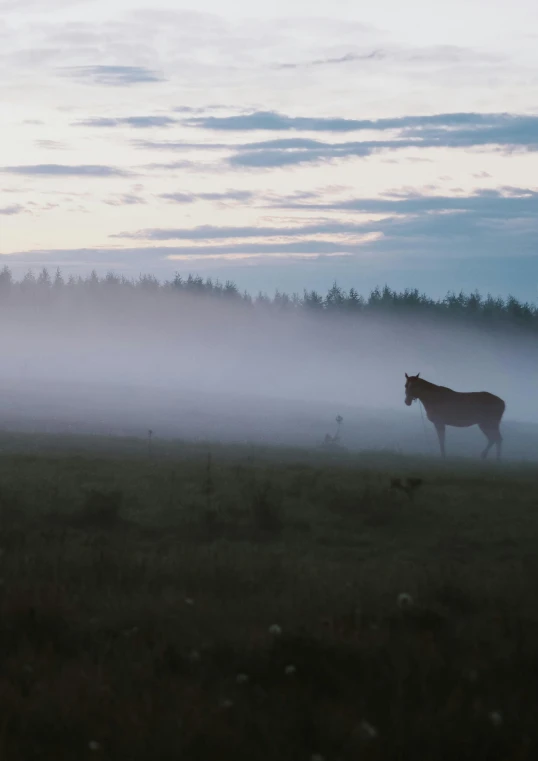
(316, 757)
(241, 679)
(275, 630)
(194, 656)
(496, 718)
(290, 670)
(368, 731)
(95, 746)
(226, 703)
(404, 600)
(189, 601)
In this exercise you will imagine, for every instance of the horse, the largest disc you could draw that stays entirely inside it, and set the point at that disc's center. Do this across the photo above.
(461, 409)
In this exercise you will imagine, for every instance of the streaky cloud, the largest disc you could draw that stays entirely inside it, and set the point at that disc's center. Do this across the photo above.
(113, 76)
(181, 164)
(146, 255)
(347, 58)
(51, 145)
(207, 232)
(127, 199)
(9, 211)
(464, 131)
(429, 54)
(178, 197)
(178, 145)
(272, 155)
(461, 130)
(275, 121)
(186, 198)
(447, 213)
(137, 122)
(66, 170)
(487, 223)
(504, 202)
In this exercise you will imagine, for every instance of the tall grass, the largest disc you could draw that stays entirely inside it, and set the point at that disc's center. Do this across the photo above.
(131, 630)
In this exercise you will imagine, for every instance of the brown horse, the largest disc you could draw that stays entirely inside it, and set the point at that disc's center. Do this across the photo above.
(447, 407)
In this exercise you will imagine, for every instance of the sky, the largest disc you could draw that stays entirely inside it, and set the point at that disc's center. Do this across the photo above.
(283, 145)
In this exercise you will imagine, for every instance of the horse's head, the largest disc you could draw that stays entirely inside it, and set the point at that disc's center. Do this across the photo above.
(411, 388)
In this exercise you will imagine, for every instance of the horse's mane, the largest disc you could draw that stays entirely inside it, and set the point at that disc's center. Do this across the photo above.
(426, 383)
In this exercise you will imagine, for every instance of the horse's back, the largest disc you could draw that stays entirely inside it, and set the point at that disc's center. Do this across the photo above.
(489, 400)
(465, 408)
(483, 399)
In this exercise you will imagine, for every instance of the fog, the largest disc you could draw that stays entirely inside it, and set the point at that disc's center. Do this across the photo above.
(124, 360)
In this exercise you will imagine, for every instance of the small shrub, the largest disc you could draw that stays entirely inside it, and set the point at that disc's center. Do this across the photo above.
(102, 508)
(266, 508)
(11, 507)
(408, 486)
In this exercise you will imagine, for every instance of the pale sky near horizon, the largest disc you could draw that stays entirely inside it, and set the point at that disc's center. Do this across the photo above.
(284, 145)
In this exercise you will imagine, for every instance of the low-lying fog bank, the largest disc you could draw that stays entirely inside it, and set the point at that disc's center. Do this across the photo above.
(132, 411)
(197, 366)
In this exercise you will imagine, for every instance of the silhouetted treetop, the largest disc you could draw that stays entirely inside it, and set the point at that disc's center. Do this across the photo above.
(473, 308)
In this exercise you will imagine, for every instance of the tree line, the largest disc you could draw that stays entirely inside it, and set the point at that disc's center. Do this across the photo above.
(467, 308)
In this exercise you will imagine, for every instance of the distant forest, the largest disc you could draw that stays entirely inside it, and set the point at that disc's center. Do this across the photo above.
(470, 309)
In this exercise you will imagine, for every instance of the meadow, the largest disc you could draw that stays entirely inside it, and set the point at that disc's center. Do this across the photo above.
(205, 601)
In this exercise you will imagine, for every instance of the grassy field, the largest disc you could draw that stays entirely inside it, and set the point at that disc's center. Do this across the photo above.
(209, 602)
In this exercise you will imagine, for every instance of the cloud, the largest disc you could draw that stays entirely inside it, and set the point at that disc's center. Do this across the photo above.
(36, 5)
(433, 54)
(9, 211)
(65, 170)
(485, 223)
(229, 195)
(290, 248)
(460, 235)
(196, 166)
(504, 203)
(502, 129)
(274, 121)
(138, 122)
(187, 110)
(439, 237)
(127, 199)
(416, 230)
(507, 133)
(52, 145)
(200, 109)
(346, 58)
(207, 232)
(282, 153)
(179, 197)
(179, 145)
(90, 257)
(113, 76)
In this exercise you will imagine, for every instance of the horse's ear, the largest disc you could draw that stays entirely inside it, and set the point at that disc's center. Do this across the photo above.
(418, 375)
(407, 376)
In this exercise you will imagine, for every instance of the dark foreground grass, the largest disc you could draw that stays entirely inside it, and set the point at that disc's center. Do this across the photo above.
(246, 605)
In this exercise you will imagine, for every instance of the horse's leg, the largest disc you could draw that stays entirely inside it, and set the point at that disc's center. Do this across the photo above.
(441, 430)
(492, 437)
(498, 442)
